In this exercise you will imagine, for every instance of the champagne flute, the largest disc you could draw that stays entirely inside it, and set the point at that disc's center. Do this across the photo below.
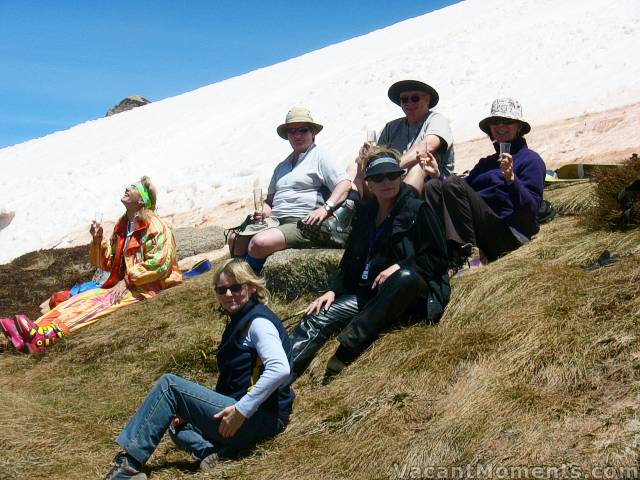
(372, 137)
(258, 201)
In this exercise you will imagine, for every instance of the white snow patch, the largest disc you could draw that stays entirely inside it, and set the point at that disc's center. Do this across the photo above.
(560, 58)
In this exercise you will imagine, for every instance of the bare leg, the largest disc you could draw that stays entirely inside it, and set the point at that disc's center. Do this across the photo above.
(239, 243)
(266, 242)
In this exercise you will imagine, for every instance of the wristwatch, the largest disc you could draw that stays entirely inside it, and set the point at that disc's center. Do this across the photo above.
(329, 206)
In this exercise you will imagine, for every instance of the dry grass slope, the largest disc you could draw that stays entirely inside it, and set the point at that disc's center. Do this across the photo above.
(536, 362)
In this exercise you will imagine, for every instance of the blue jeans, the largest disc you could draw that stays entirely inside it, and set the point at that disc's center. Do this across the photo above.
(173, 396)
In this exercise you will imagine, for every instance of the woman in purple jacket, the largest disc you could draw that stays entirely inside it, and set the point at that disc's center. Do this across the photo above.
(495, 207)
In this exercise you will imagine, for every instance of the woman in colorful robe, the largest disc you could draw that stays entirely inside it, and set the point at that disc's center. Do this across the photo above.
(140, 259)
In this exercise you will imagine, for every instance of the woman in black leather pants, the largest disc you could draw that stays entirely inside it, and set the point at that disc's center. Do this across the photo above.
(394, 268)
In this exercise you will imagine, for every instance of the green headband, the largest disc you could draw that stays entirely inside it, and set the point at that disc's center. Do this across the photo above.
(144, 193)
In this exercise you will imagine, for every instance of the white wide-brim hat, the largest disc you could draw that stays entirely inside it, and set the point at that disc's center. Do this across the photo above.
(508, 108)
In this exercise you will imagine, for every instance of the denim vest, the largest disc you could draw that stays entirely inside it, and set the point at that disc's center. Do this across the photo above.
(239, 366)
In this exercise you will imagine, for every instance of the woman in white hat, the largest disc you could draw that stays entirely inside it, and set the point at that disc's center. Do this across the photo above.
(307, 186)
(495, 207)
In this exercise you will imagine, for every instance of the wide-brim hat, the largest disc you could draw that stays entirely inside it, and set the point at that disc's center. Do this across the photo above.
(376, 166)
(412, 86)
(508, 108)
(298, 115)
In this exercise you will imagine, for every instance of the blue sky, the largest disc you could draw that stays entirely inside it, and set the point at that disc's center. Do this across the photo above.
(65, 62)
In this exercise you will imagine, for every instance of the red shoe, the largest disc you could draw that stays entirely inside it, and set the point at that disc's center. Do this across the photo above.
(10, 330)
(37, 338)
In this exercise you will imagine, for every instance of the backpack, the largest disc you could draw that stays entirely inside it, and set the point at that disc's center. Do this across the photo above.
(627, 198)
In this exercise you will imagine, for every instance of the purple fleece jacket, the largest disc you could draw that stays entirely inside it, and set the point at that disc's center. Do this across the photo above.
(516, 203)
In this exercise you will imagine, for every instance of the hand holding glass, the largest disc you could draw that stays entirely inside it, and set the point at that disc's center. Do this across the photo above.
(96, 224)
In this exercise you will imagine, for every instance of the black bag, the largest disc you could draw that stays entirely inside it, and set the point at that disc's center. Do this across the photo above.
(627, 200)
(546, 212)
(335, 230)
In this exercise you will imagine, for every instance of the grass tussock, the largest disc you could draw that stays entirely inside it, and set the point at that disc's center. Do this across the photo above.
(596, 201)
(608, 184)
(572, 198)
(535, 362)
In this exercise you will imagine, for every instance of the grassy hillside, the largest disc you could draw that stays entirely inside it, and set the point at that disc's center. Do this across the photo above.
(536, 362)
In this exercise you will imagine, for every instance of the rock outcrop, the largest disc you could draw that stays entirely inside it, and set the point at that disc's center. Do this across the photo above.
(5, 218)
(128, 103)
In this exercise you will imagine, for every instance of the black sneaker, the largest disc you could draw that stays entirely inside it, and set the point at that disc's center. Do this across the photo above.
(334, 367)
(458, 256)
(122, 470)
(209, 462)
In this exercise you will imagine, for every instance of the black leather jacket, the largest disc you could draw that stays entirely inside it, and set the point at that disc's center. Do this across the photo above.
(412, 237)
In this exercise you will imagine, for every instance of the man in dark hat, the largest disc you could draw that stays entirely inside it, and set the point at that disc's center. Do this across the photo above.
(420, 128)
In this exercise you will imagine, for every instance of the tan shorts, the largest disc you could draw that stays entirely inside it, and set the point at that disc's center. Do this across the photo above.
(292, 235)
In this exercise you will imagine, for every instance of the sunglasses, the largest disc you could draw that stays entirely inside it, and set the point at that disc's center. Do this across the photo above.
(235, 288)
(502, 121)
(381, 176)
(294, 130)
(412, 98)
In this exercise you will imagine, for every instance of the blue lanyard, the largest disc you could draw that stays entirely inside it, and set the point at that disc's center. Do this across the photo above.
(374, 236)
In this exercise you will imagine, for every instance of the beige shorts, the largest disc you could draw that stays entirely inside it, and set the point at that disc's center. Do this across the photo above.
(292, 235)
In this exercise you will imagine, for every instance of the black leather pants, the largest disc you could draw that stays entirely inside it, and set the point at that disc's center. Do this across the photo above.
(359, 320)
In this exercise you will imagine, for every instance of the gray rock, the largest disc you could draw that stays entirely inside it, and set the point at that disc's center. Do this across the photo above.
(5, 218)
(127, 104)
(292, 273)
(192, 241)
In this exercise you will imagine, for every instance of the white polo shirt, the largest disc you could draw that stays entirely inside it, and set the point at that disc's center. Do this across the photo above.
(300, 189)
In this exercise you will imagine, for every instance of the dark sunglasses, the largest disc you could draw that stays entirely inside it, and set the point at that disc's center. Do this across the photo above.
(502, 121)
(235, 288)
(294, 130)
(412, 98)
(381, 176)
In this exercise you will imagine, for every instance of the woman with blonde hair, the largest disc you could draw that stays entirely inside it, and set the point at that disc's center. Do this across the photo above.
(140, 260)
(252, 400)
(394, 269)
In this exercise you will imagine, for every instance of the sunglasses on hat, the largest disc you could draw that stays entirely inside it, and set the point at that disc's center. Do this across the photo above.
(381, 176)
(235, 288)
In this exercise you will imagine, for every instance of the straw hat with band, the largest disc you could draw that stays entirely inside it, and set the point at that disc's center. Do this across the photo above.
(505, 108)
(298, 115)
(376, 166)
(402, 86)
